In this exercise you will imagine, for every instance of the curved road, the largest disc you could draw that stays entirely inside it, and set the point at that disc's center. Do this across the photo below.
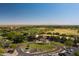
(54, 52)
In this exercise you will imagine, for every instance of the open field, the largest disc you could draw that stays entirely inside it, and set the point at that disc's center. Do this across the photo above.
(65, 31)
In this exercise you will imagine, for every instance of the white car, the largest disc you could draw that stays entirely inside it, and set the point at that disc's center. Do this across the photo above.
(27, 52)
(63, 51)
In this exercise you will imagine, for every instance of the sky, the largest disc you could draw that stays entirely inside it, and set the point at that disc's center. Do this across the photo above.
(39, 13)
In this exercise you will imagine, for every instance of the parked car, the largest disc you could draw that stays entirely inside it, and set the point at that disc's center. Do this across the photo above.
(62, 54)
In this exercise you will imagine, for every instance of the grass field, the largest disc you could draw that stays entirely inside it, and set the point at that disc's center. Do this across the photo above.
(65, 31)
(34, 47)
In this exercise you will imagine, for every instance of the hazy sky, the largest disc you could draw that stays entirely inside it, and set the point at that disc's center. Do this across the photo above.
(44, 14)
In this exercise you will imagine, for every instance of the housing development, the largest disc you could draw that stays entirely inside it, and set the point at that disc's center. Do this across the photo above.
(39, 29)
(39, 40)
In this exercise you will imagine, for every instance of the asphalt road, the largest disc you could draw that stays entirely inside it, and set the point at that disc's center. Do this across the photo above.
(21, 53)
(51, 53)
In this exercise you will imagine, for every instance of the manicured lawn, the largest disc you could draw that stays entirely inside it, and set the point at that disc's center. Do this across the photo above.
(57, 43)
(41, 47)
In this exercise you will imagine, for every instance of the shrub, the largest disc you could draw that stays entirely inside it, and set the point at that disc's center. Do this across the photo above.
(76, 53)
